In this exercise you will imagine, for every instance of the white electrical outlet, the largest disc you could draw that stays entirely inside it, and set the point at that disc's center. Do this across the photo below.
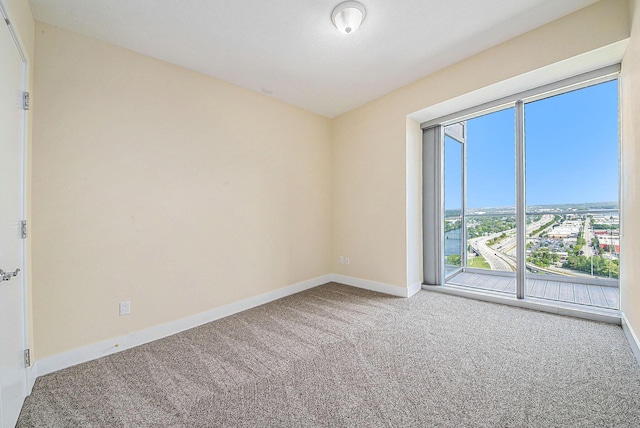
(347, 261)
(341, 260)
(125, 308)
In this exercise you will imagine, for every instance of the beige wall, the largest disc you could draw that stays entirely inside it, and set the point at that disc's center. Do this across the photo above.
(371, 144)
(165, 187)
(630, 251)
(22, 21)
(182, 193)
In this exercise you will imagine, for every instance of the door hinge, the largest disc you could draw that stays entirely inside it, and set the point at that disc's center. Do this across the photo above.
(24, 231)
(27, 358)
(25, 100)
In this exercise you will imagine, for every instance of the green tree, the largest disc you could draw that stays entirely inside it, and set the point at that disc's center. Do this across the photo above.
(454, 260)
(491, 224)
(543, 257)
(452, 226)
(601, 265)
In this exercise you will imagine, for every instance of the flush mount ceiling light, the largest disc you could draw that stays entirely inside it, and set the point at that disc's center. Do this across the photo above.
(348, 16)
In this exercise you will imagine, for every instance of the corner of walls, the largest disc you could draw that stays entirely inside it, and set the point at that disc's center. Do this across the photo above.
(630, 177)
(368, 196)
(379, 287)
(414, 202)
(333, 253)
(632, 337)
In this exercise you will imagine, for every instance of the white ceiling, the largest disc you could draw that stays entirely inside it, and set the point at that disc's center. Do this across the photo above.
(290, 50)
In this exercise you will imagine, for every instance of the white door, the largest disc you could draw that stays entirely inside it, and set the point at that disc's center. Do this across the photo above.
(13, 379)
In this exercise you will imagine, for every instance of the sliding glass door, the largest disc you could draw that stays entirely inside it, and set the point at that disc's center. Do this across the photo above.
(453, 204)
(529, 201)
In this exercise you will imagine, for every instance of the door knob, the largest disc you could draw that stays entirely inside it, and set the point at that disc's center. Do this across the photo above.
(6, 276)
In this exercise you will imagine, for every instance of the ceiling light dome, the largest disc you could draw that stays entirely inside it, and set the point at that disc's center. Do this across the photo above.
(348, 16)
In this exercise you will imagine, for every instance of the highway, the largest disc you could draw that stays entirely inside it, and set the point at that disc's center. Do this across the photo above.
(508, 246)
(503, 256)
(496, 262)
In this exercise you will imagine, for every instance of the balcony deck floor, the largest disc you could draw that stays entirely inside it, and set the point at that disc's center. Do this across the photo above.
(552, 289)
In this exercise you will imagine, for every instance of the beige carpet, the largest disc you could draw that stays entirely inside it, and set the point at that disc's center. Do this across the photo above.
(337, 356)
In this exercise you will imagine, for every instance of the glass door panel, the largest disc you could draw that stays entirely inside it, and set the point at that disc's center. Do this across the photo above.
(573, 240)
(491, 221)
(488, 223)
(453, 203)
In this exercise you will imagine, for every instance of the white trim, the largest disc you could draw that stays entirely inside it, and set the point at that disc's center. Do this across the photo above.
(583, 63)
(367, 284)
(91, 352)
(631, 337)
(414, 288)
(548, 90)
(32, 375)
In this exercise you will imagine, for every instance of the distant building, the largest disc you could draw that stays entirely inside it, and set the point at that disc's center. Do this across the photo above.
(610, 242)
(568, 229)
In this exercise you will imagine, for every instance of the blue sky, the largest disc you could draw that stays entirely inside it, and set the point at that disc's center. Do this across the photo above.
(571, 152)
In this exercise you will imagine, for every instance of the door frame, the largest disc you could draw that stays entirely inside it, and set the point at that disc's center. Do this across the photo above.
(29, 372)
(433, 140)
(461, 139)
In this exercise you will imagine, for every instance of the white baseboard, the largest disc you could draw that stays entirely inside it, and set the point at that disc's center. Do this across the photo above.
(32, 374)
(380, 287)
(631, 337)
(107, 347)
(91, 352)
(414, 288)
